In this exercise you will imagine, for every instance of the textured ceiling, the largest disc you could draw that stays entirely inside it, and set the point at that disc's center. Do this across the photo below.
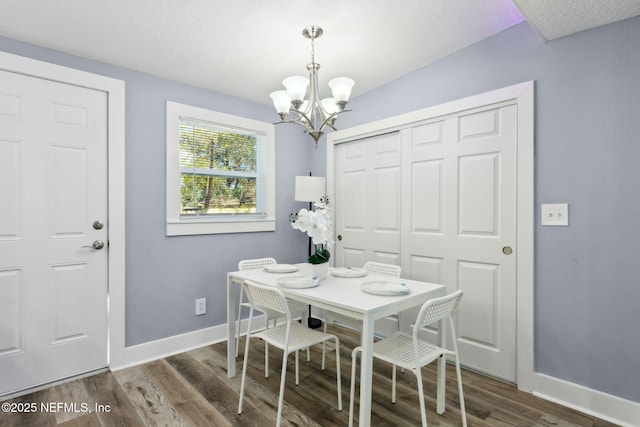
(554, 19)
(245, 48)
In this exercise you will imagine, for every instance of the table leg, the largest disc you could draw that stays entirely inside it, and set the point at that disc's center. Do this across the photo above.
(231, 328)
(405, 318)
(366, 371)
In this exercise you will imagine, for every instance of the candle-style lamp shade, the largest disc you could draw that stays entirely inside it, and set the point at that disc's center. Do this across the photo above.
(310, 188)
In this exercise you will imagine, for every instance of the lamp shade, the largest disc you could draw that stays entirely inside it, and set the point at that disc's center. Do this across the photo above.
(281, 101)
(341, 88)
(329, 105)
(310, 188)
(296, 87)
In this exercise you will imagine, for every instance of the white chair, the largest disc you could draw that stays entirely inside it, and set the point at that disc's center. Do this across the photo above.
(412, 353)
(331, 318)
(390, 270)
(289, 337)
(255, 264)
(294, 306)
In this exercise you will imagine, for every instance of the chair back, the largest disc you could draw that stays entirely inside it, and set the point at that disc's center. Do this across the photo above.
(382, 269)
(254, 264)
(267, 297)
(438, 308)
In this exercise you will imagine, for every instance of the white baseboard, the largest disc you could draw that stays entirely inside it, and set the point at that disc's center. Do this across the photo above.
(154, 350)
(605, 406)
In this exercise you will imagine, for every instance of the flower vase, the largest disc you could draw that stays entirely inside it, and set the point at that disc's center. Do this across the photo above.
(320, 271)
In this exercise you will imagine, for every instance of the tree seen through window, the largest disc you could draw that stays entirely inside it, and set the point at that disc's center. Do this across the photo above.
(218, 170)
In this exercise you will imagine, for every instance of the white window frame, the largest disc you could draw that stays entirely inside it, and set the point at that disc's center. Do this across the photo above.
(178, 225)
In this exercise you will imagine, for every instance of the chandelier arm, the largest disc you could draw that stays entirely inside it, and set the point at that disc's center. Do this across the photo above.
(327, 121)
(307, 129)
(303, 119)
(305, 123)
(295, 122)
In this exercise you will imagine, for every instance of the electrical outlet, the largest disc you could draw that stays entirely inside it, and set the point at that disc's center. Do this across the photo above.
(201, 306)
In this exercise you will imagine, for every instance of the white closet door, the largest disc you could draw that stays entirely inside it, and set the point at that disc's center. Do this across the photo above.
(368, 188)
(459, 225)
(439, 199)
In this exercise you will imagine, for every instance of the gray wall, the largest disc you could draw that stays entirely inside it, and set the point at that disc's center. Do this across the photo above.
(587, 153)
(164, 275)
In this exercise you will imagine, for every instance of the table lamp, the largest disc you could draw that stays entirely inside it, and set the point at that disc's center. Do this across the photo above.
(310, 189)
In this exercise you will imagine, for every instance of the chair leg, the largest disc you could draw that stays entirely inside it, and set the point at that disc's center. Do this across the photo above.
(393, 384)
(266, 360)
(354, 355)
(461, 396)
(297, 368)
(283, 375)
(324, 345)
(423, 411)
(338, 376)
(244, 369)
(266, 350)
(401, 369)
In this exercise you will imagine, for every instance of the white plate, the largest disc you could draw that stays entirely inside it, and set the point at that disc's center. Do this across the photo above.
(297, 282)
(385, 288)
(348, 272)
(280, 268)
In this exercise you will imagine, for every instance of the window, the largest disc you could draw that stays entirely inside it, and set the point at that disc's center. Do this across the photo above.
(220, 172)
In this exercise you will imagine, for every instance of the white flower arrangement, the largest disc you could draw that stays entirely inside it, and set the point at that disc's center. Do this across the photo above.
(318, 225)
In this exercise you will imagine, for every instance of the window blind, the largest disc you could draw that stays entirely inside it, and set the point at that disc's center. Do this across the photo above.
(222, 170)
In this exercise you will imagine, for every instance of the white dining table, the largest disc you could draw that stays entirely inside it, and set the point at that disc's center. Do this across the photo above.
(344, 296)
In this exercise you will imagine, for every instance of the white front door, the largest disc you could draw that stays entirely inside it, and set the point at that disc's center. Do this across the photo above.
(53, 191)
(443, 206)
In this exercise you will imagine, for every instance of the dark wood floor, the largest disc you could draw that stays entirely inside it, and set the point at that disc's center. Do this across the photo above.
(192, 389)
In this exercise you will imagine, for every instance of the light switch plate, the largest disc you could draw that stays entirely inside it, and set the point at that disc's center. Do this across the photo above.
(555, 214)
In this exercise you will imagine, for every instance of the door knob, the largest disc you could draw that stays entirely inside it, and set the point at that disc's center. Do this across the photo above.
(98, 244)
(97, 224)
(507, 250)
(339, 237)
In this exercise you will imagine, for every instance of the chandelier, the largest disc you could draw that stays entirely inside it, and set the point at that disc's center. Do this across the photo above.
(313, 114)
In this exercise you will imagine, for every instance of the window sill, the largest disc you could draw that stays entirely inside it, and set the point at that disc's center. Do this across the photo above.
(188, 228)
